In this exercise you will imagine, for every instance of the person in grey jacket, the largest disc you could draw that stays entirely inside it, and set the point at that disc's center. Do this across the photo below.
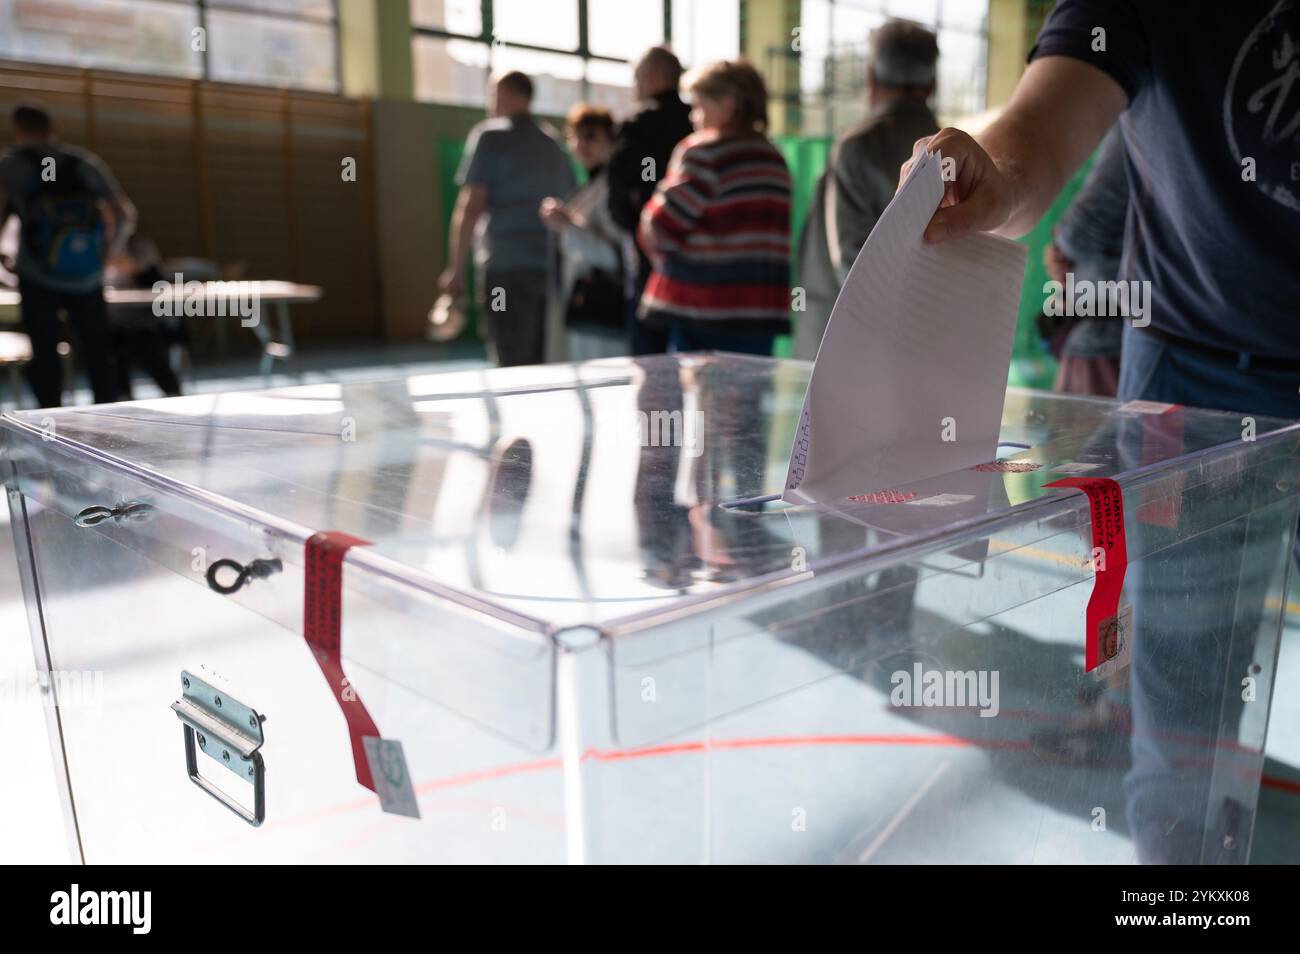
(1089, 241)
(862, 171)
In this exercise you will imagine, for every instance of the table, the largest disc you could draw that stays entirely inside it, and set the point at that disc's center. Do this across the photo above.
(219, 295)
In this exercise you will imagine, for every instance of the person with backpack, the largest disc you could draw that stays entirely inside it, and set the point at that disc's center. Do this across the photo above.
(74, 217)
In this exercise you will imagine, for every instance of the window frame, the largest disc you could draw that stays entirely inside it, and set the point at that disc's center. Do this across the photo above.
(835, 53)
(201, 8)
(583, 50)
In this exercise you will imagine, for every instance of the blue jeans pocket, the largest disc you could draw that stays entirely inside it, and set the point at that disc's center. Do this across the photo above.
(1139, 366)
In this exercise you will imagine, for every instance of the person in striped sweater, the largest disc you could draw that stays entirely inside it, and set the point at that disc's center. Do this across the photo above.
(717, 229)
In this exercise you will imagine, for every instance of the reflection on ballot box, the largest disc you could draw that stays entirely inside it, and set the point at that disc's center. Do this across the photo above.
(479, 616)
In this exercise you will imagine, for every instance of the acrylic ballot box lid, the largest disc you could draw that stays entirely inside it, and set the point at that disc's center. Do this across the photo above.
(611, 493)
(578, 595)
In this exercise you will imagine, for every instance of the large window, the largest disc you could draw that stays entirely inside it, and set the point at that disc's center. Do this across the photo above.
(833, 56)
(290, 43)
(573, 49)
(706, 30)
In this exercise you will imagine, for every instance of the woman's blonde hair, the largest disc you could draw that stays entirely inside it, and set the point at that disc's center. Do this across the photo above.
(738, 80)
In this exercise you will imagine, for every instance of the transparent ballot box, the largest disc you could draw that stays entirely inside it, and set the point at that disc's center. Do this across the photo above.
(560, 614)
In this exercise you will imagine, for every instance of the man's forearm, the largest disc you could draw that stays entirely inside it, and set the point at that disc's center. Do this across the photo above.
(462, 237)
(1034, 174)
(1059, 113)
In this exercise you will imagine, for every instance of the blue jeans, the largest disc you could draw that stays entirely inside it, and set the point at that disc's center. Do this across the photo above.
(642, 339)
(1200, 625)
(693, 336)
(1152, 370)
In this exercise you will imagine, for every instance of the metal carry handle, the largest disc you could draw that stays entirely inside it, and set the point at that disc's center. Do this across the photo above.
(257, 775)
(230, 733)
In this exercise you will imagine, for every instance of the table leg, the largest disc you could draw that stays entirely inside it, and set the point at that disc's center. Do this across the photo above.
(286, 325)
(273, 350)
(16, 384)
(286, 329)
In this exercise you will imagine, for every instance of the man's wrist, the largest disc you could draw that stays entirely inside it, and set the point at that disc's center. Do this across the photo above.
(1005, 143)
(1013, 175)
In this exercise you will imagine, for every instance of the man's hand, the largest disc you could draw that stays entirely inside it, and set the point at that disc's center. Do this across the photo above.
(452, 281)
(1004, 183)
(980, 196)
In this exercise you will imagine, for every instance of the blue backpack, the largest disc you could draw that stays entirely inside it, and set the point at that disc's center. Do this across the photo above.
(63, 228)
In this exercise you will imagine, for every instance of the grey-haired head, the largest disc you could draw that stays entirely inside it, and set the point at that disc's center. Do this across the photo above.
(903, 55)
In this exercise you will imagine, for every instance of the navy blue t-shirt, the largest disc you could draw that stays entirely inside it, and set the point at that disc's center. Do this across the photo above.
(1211, 85)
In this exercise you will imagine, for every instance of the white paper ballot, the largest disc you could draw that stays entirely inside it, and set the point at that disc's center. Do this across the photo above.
(912, 370)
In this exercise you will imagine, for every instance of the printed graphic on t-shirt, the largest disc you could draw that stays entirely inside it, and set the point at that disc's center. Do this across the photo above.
(1261, 107)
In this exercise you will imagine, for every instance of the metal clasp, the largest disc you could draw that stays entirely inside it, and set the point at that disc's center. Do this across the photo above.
(135, 512)
(254, 570)
(230, 733)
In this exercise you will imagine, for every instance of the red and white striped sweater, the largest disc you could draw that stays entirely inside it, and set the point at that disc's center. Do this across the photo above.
(717, 232)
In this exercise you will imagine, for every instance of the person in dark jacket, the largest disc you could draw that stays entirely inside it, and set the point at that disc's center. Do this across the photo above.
(139, 336)
(862, 171)
(645, 143)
